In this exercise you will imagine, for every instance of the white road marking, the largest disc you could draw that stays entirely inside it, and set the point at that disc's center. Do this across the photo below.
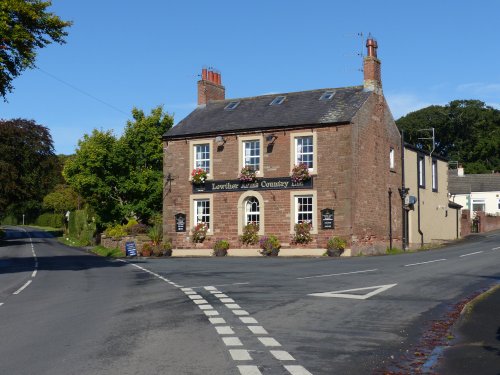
(240, 312)
(217, 320)
(343, 293)
(211, 313)
(220, 295)
(210, 288)
(23, 287)
(248, 320)
(224, 330)
(186, 289)
(1, 303)
(233, 306)
(474, 253)
(190, 293)
(227, 300)
(335, 274)
(282, 355)
(268, 341)
(196, 296)
(430, 261)
(203, 286)
(249, 370)
(206, 307)
(200, 301)
(257, 330)
(496, 248)
(232, 341)
(33, 273)
(240, 354)
(297, 370)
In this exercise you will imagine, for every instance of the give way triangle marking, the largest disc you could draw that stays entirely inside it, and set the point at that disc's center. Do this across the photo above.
(344, 293)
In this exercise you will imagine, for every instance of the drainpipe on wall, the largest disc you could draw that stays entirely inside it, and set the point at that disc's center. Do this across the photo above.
(403, 192)
(390, 219)
(418, 217)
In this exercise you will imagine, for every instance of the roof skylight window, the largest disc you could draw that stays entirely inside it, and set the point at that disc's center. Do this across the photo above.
(232, 105)
(278, 100)
(327, 95)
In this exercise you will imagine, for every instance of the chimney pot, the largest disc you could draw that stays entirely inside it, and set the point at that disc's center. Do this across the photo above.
(204, 74)
(210, 86)
(371, 67)
(211, 75)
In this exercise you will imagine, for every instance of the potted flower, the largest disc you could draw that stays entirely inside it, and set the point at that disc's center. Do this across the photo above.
(199, 232)
(220, 248)
(335, 246)
(198, 176)
(146, 249)
(270, 245)
(163, 249)
(250, 234)
(247, 174)
(302, 233)
(300, 173)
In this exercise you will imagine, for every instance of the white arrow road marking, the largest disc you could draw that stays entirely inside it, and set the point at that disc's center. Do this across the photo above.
(344, 294)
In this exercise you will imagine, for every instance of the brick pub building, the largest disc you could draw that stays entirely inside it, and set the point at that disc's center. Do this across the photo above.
(346, 136)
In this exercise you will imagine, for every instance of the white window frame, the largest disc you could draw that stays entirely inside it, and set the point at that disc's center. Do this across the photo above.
(242, 213)
(434, 170)
(294, 195)
(192, 156)
(498, 204)
(194, 199)
(478, 201)
(293, 149)
(250, 213)
(392, 161)
(241, 153)
(421, 171)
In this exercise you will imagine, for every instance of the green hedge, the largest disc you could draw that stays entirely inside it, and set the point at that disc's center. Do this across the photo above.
(81, 227)
(50, 220)
(9, 220)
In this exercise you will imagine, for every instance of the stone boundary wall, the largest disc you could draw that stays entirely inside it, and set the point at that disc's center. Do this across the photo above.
(119, 242)
(487, 223)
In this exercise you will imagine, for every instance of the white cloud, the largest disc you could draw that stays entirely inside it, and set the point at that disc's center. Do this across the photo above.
(402, 104)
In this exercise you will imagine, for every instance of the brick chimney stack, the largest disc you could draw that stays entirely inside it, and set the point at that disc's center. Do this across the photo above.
(371, 67)
(210, 86)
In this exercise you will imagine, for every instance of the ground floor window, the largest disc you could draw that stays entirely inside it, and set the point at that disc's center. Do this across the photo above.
(202, 212)
(303, 209)
(252, 211)
(303, 206)
(478, 205)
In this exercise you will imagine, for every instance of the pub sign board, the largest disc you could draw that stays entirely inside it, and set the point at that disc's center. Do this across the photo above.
(180, 222)
(130, 249)
(278, 183)
(327, 218)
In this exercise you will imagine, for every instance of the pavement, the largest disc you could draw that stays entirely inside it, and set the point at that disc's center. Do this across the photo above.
(476, 349)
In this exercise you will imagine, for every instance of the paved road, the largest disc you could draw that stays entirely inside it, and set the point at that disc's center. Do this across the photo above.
(83, 314)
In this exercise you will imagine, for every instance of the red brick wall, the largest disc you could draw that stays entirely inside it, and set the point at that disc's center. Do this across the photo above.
(374, 133)
(210, 91)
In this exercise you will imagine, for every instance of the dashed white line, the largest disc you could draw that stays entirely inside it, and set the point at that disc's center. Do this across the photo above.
(297, 370)
(217, 320)
(220, 295)
(430, 261)
(336, 274)
(227, 300)
(211, 313)
(224, 330)
(1, 303)
(496, 248)
(195, 296)
(474, 253)
(240, 312)
(233, 306)
(249, 370)
(248, 320)
(23, 287)
(200, 301)
(282, 355)
(257, 330)
(204, 286)
(33, 274)
(206, 307)
(240, 354)
(232, 341)
(268, 341)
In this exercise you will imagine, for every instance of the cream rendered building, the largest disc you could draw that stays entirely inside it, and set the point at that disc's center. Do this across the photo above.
(432, 218)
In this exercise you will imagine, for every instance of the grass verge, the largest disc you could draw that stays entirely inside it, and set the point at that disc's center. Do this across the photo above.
(105, 252)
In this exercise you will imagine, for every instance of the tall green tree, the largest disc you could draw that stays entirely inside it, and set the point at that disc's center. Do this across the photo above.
(62, 199)
(467, 131)
(28, 165)
(25, 27)
(122, 177)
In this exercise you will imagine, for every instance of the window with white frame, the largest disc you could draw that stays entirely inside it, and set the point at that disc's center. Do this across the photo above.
(304, 151)
(478, 205)
(304, 209)
(252, 211)
(391, 158)
(498, 204)
(434, 176)
(251, 154)
(201, 212)
(421, 171)
(202, 156)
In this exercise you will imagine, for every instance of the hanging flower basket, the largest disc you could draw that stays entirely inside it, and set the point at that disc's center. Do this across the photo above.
(198, 176)
(300, 173)
(247, 174)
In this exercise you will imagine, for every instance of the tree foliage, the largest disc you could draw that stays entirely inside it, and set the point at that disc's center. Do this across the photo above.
(28, 165)
(122, 177)
(25, 27)
(467, 131)
(61, 200)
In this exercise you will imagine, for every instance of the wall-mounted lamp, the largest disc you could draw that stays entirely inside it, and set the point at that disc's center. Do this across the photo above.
(271, 138)
(220, 140)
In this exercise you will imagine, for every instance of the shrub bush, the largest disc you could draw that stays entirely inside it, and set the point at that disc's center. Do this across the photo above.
(302, 233)
(335, 246)
(50, 220)
(220, 248)
(250, 234)
(136, 229)
(270, 245)
(115, 231)
(199, 233)
(155, 234)
(81, 227)
(9, 220)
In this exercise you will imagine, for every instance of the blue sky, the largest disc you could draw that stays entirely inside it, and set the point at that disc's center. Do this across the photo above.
(146, 53)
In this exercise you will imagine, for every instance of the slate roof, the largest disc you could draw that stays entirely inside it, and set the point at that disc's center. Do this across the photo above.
(254, 113)
(473, 183)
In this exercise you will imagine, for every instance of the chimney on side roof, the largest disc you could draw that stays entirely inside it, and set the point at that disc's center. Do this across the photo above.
(210, 86)
(460, 171)
(371, 67)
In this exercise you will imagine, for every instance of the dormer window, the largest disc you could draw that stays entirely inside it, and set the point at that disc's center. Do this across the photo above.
(278, 100)
(327, 95)
(232, 105)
